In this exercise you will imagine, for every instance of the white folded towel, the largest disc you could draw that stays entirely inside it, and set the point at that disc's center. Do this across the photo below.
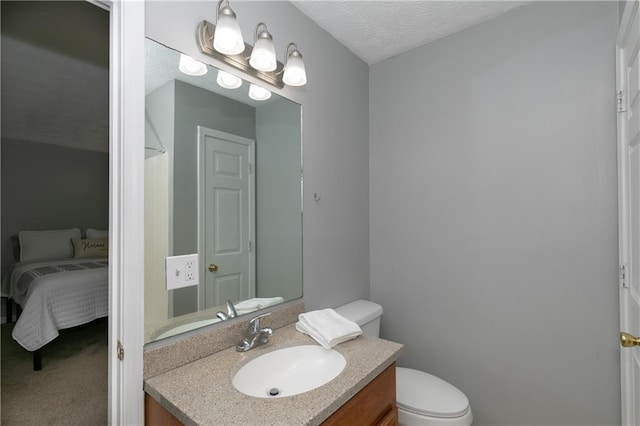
(327, 327)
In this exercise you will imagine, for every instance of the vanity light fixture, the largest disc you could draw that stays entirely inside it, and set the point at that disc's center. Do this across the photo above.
(263, 56)
(228, 81)
(258, 61)
(228, 37)
(294, 72)
(258, 93)
(190, 66)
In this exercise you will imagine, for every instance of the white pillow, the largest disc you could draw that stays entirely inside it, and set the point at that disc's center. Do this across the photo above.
(56, 244)
(94, 233)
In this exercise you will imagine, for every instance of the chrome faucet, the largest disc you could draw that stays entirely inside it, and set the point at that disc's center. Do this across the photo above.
(254, 336)
(231, 312)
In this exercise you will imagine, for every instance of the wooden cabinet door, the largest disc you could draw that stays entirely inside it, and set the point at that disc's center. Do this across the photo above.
(156, 415)
(373, 405)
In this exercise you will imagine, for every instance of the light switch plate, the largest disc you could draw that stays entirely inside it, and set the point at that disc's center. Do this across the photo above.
(182, 271)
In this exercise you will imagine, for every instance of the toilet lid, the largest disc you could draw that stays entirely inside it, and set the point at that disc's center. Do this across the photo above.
(422, 393)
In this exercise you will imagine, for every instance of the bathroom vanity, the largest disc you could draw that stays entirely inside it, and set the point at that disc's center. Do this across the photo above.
(190, 359)
(201, 392)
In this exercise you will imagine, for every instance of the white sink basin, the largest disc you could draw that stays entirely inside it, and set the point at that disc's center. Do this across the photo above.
(289, 371)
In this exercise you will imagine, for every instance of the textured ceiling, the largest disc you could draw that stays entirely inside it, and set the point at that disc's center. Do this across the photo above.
(377, 30)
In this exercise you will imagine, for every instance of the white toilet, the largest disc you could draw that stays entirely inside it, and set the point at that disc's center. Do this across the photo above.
(422, 399)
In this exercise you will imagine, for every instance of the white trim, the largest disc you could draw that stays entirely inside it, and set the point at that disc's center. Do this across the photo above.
(126, 216)
(626, 404)
(625, 359)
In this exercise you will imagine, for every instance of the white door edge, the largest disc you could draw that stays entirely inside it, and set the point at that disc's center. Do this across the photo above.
(126, 215)
(629, 407)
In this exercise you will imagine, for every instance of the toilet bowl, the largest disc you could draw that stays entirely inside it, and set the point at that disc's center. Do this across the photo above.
(422, 399)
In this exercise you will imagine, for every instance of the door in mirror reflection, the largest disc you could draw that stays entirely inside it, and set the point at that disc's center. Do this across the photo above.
(227, 217)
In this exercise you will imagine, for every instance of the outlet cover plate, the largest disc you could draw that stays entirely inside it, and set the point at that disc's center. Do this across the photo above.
(181, 271)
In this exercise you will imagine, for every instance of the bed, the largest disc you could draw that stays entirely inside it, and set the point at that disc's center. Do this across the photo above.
(59, 293)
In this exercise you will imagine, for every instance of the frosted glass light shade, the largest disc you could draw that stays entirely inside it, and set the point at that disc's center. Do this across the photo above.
(294, 71)
(190, 66)
(227, 38)
(263, 57)
(228, 81)
(258, 93)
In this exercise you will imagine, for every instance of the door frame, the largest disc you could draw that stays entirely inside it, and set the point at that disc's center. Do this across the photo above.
(201, 133)
(126, 209)
(626, 386)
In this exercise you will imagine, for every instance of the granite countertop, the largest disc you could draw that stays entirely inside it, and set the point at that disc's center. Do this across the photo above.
(201, 393)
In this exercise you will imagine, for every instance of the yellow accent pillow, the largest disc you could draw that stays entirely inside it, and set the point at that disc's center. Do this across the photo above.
(96, 247)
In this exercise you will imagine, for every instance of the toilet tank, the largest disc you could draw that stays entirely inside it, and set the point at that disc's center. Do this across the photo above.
(365, 313)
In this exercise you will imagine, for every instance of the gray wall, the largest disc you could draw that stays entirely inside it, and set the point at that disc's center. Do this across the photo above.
(51, 187)
(160, 119)
(494, 213)
(278, 203)
(335, 137)
(159, 133)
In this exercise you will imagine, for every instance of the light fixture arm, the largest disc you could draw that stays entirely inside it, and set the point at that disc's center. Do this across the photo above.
(292, 49)
(220, 2)
(261, 32)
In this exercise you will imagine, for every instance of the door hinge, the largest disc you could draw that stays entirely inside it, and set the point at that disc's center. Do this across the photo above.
(249, 245)
(620, 106)
(623, 276)
(120, 351)
(250, 168)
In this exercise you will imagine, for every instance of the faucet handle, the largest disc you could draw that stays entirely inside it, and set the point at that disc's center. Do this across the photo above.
(231, 310)
(254, 323)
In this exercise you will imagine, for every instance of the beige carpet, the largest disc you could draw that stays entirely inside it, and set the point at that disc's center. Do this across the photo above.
(71, 388)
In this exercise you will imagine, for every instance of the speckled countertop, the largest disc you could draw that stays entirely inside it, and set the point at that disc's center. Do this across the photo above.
(201, 393)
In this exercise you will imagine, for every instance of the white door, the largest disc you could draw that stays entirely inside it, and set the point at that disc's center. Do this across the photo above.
(227, 215)
(628, 92)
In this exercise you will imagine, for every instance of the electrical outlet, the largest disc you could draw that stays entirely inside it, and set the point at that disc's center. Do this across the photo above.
(182, 271)
(189, 270)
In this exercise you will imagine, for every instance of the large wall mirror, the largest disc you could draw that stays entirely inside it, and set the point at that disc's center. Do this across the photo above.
(223, 180)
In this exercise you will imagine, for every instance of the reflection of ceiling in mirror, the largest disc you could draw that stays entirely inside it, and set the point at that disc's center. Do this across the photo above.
(161, 66)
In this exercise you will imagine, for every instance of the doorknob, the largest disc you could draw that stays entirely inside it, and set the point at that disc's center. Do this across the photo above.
(628, 340)
(213, 267)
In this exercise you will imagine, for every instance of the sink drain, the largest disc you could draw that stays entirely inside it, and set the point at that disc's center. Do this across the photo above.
(274, 392)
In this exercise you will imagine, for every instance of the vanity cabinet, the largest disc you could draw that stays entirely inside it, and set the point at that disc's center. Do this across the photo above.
(156, 415)
(374, 405)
